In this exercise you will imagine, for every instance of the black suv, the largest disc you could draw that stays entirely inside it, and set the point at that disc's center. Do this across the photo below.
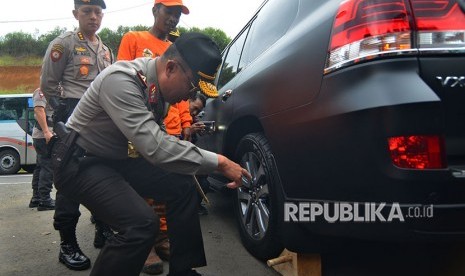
(356, 103)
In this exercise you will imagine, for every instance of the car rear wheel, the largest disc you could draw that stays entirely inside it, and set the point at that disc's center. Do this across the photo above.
(9, 162)
(256, 202)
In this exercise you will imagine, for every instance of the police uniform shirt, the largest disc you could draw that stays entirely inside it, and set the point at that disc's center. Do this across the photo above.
(71, 61)
(114, 110)
(39, 100)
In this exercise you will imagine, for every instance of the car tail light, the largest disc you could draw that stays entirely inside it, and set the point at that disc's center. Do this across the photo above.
(368, 29)
(440, 24)
(418, 152)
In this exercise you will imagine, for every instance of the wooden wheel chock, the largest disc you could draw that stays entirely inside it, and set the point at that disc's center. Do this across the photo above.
(296, 264)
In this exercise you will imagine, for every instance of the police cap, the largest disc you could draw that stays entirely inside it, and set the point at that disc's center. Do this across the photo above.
(203, 56)
(100, 3)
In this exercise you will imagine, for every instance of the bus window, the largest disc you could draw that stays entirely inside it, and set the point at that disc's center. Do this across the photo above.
(30, 103)
(16, 124)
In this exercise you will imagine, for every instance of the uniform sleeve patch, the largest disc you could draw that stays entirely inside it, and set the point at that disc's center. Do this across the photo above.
(57, 52)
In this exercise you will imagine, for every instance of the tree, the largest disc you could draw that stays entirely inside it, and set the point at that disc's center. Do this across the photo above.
(18, 44)
(217, 35)
(110, 38)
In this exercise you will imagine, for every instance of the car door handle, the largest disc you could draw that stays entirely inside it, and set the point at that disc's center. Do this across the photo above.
(226, 95)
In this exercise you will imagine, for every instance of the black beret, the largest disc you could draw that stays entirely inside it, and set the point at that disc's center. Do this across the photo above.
(100, 3)
(203, 56)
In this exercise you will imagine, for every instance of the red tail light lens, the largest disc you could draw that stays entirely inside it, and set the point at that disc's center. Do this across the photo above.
(417, 152)
(440, 23)
(438, 15)
(368, 29)
(358, 20)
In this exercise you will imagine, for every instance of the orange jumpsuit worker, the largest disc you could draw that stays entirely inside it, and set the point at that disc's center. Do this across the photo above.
(153, 43)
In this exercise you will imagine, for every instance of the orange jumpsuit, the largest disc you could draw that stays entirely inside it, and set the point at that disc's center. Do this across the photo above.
(137, 44)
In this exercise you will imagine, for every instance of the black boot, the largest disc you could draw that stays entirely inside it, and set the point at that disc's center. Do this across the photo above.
(45, 205)
(102, 234)
(70, 253)
(35, 199)
(34, 202)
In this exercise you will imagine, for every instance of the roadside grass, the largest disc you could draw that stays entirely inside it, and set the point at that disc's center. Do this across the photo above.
(12, 62)
(20, 61)
(22, 89)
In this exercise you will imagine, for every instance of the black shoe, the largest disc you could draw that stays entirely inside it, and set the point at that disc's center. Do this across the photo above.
(202, 210)
(46, 205)
(72, 257)
(34, 203)
(191, 272)
(102, 234)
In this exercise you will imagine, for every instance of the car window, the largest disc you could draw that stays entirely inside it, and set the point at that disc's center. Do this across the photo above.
(271, 23)
(231, 62)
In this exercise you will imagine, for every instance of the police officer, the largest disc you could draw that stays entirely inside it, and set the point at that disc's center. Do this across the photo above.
(73, 60)
(41, 134)
(128, 102)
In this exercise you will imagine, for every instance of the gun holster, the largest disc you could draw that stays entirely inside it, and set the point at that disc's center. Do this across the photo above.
(62, 145)
(62, 108)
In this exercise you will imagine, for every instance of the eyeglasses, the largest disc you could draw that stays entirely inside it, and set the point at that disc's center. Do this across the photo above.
(194, 88)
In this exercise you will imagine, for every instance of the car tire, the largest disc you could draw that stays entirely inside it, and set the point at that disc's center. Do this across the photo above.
(9, 162)
(256, 204)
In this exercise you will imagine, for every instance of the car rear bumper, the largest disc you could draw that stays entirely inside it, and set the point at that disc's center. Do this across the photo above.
(419, 223)
(336, 150)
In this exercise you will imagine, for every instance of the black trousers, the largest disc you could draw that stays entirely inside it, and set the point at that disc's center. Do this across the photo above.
(67, 212)
(113, 191)
(43, 177)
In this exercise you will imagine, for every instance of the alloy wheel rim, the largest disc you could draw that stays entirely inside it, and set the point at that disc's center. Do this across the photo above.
(254, 198)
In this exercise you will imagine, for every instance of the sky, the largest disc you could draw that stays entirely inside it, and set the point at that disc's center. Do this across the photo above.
(39, 17)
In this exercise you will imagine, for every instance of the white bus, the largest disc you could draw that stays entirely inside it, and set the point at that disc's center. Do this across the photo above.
(16, 123)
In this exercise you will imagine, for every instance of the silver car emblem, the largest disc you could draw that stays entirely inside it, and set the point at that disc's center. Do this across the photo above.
(452, 81)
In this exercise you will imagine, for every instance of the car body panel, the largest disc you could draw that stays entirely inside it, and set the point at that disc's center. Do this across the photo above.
(329, 132)
(435, 72)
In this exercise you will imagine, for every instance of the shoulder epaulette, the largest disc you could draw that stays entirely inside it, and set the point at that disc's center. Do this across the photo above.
(80, 36)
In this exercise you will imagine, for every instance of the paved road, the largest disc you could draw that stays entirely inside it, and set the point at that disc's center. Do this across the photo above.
(29, 244)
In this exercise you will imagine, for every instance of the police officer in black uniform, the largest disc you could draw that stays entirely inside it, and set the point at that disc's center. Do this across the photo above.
(72, 62)
(42, 180)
